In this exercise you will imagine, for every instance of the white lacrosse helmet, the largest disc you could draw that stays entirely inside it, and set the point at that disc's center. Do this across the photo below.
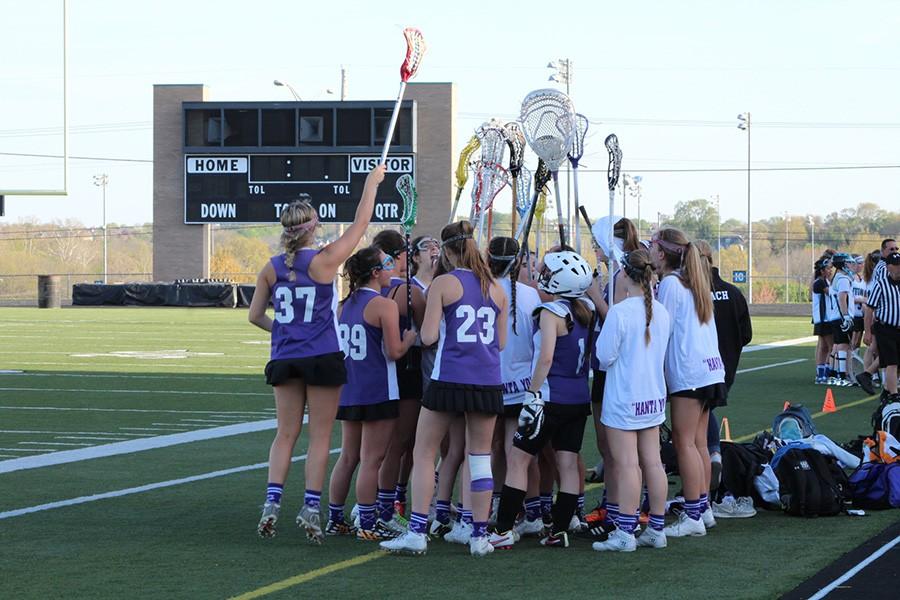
(565, 274)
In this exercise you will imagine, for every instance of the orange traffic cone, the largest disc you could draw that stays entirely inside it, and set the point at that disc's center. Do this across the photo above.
(726, 428)
(786, 406)
(828, 406)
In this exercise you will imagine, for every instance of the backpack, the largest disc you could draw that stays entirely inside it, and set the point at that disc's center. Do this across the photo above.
(876, 485)
(810, 484)
(793, 423)
(887, 417)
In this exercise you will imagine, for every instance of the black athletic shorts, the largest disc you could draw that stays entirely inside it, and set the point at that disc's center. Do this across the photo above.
(888, 340)
(839, 336)
(563, 428)
(324, 370)
(409, 374)
(710, 396)
(511, 411)
(859, 324)
(389, 409)
(599, 381)
(822, 329)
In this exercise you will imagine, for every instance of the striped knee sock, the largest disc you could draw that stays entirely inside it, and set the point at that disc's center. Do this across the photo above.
(418, 523)
(273, 492)
(336, 513)
(692, 508)
(442, 511)
(626, 523)
(612, 512)
(367, 516)
(533, 508)
(385, 501)
(657, 522)
(313, 499)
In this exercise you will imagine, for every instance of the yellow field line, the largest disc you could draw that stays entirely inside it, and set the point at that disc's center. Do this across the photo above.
(310, 575)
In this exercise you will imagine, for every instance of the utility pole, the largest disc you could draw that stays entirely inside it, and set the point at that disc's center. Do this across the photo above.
(744, 125)
(102, 181)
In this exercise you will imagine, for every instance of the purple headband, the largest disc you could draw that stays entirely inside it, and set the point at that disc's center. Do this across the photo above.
(307, 226)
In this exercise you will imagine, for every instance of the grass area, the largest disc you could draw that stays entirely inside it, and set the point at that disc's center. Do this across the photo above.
(122, 370)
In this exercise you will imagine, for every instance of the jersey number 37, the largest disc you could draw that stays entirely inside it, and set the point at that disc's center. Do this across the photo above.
(284, 303)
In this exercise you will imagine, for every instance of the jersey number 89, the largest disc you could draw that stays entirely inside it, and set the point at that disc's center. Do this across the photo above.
(485, 317)
(353, 341)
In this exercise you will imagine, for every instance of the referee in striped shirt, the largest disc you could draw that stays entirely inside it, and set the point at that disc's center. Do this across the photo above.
(884, 321)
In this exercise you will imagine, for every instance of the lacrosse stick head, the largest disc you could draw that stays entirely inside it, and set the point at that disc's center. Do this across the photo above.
(548, 122)
(462, 168)
(540, 208)
(490, 180)
(577, 149)
(523, 191)
(406, 186)
(415, 50)
(515, 139)
(493, 142)
(615, 161)
(541, 176)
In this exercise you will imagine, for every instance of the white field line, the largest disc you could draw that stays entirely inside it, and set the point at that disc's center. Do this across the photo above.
(203, 421)
(107, 433)
(8, 455)
(131, 446)
(151, 429)
(156, 392)
(859, 567)
(26, 450)
(781, 344)
(249, 414)
(84, 437)
(169, 424)
(141, 488)
(781, 364)
(52, 444)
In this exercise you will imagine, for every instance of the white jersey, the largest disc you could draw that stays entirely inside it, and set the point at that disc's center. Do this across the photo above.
(840, 283)
(634, 396)
(692, 358)
(517, 355)
(857, 289)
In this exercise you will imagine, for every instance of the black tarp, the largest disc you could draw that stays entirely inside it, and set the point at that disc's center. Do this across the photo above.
(156, 294)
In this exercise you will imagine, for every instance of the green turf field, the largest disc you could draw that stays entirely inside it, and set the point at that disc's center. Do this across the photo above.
(97, 376)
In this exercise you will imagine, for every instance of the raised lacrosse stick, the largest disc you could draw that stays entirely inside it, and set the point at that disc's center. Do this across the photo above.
(493, 144)
(541, 177)
(415, 50)
(515, 139)
(548, 121)
(492, 179)
(612, 180)
(522, 197)
(575, 154)
(475, 209)
(407, 188)
(462, 171)
(539, 211)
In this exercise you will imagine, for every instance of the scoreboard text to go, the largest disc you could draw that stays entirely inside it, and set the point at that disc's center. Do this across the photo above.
(257, 188)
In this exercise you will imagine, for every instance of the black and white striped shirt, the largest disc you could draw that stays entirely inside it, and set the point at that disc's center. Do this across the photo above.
(880, 271)
(885, 300)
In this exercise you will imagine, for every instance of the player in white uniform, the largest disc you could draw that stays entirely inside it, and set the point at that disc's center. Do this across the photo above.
(840, 297)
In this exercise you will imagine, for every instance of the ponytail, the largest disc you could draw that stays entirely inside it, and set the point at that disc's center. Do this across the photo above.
(299, 222)
(360, 268)
(581, 312)
(458, 238)
(502, 251)
(638, 268)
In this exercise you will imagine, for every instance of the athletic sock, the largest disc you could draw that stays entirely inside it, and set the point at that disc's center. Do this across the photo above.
(612, 512)
(312, 499)
(386, 504)
(657, 522)
(842, 363)
(367, 516)
(704, 502)
(400, 492)
(418, 522)
(466, 516)
(510, 503)
(546, 502)
(562, 511)
(459, 511)
(273, 492)
(442, 511)
(479, 528)
(336, 513)
(532, 508)
(692, 508)
(627, 523)
(580, 503)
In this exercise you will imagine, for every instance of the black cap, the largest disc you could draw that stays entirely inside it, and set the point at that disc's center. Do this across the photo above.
(893, 258)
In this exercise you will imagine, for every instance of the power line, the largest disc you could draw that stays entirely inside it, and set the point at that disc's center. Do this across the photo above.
(101, 158)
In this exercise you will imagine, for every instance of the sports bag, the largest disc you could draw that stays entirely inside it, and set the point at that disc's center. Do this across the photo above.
(876, 485)
(810, 484)
(793, 423)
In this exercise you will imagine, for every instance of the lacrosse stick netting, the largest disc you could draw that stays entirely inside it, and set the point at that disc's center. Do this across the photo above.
(575, 154)
(406, 186)
(541, 177)
(415, 50)
(521, 185)
(462, 171)
(492, 178)
(612, 180)
(548, 121)
(515, 139)
(493, 143)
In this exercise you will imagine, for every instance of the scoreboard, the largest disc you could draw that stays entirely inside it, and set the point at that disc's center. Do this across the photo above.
(257, 187)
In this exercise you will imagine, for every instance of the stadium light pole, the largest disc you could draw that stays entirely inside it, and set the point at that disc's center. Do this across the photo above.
(564, 74)
(812, 250)
(787, 267)
(290, 88)
(101, 181)
(744, 125)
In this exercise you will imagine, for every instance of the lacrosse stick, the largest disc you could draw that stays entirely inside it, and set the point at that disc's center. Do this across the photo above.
(541, 177)
(493, 143)
(612, 180)
(515, 139)
(522, 196)
(492, 178)
(539, 211)
(462, 171)
(415, 50)
(407, 188)
(575, 154)
(548, 121)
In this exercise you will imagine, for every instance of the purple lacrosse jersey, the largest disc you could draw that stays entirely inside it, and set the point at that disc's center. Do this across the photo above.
(468, 349)
(567, 380)
(371, 376)
(305, 323)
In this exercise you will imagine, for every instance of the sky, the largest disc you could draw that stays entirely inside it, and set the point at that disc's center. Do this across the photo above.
(819, 78)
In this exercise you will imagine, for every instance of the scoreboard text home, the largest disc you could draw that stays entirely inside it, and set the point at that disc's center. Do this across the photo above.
(245, 162)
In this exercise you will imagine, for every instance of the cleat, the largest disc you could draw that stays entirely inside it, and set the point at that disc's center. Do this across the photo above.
(556, 540)
(400, 508)
(309, 519)
(618, 541)
(598, 532)
(709, 520)
(459, 534)
(652, 538)
(480, 546)
(526, 527)
(377, 534)
(439, 529)
(643, 519)
(729, 508)
(342, 528)
(394, 526)
(864, 380)
(685, 526)
(598, 514)
(408, 543)
(504, 540)
(266, 527)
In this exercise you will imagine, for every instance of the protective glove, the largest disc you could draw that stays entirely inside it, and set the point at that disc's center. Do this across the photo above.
(846, 323)
(531, 417)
